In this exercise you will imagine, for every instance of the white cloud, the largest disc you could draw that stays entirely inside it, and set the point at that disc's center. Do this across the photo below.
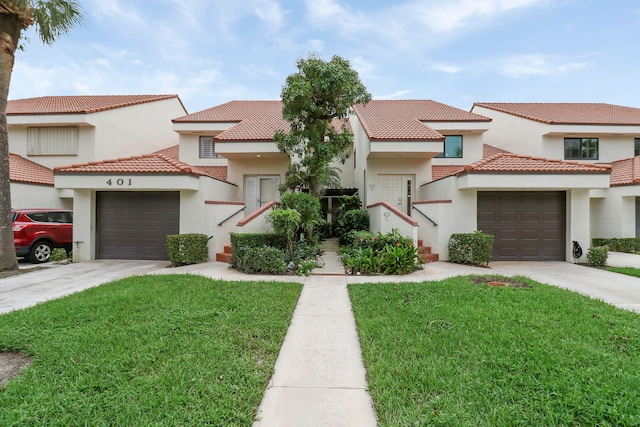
(364, 68)
(537, 65)
(271, 13)
(452, 15)
(395, 95)
(450, 69)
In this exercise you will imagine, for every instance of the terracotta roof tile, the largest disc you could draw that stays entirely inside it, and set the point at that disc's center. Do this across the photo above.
(215, 172)
(490, 150)
(255, 120)
(569, 113)
(504, 162)
(401, 120)
(152, 164)
(173, 152)
(78, 104)
(26, 171)
(145, 164)
(625, 172)
(442, 171)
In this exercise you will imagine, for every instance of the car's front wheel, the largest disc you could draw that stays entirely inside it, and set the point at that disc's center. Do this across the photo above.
(40, 252)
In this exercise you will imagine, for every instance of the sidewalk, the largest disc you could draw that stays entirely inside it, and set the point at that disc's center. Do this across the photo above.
(319, 377)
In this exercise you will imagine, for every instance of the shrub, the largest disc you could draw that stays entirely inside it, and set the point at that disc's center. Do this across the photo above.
(265, 259)
(348, 203)
(309, 209)
(285, 222)
(598, 255)
(355, 219)
(470, 248)
(400, 259)
(619, 244)
(359, 238)
(241, 242)
(186, 249)
(58, 254)
(389, 253)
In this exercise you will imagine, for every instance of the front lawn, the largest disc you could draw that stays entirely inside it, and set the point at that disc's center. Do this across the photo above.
(461, 353)
(629, 271)
(150, 350)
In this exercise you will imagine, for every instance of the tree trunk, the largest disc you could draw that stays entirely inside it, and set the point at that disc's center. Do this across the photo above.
(10, 28)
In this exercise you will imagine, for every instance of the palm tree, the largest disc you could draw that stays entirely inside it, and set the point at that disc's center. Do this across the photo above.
(51, 18)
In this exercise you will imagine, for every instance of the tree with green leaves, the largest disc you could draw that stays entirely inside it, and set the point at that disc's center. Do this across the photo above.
(51, 19)
(316, 101)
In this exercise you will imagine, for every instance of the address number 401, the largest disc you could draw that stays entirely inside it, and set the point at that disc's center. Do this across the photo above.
(120, 182)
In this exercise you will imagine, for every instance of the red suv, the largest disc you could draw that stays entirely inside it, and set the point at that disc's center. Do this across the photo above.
(37, 231)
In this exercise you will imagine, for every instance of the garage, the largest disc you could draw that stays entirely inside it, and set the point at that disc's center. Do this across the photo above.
(135, 225)
(527, 225)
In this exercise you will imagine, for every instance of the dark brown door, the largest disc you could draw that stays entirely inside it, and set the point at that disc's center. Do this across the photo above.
(637, 216)
(526, 225)
(135, 225)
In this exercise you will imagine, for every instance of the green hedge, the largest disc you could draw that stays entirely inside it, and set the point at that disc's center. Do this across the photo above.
(184, 249)
(619, 244)
(263, 259)
(470, 248)
(240, 243)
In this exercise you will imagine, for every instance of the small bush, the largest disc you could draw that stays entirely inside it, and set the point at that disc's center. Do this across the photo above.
(265, 259)
(355, 219)
(184, 249)
(309, 209)
(389, 253)
(58, 255)
(470, 248)
(597, 256)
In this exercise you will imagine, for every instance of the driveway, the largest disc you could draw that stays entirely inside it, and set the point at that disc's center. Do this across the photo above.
(52, 281)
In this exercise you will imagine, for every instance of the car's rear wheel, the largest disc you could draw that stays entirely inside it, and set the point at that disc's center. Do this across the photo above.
(40, 252)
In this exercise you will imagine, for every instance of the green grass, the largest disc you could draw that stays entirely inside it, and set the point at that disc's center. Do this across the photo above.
(629, 271)
(455, 353)
(150, 350)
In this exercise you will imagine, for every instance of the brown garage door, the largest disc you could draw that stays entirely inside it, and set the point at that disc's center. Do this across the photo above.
(527, 225)
(135, 225)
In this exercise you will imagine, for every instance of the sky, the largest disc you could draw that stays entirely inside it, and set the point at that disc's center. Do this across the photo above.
(452, 51)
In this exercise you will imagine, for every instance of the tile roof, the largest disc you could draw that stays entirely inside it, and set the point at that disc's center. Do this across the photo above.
(78, 104)
(173, 152)
(510, 163)
(255, 120)
(26, 171)
(625, 172)
(401, 120)
(146, 164)
(151, 164)
(569, 113)
(442, 171)
(490, 150)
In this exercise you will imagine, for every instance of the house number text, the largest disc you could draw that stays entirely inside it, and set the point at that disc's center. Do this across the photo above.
(120, 182)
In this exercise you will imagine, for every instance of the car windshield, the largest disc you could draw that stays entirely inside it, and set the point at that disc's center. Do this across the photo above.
(14, 216)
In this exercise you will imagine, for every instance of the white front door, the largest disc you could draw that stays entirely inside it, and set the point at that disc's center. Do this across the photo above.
(397, 190)
(260, 190)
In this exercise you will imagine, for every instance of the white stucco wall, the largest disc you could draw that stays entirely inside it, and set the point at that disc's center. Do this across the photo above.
(384, 220)
(25, 196)
(472, 149)
(615, 214)
(523, 136)
(119, 132)
(254, 166)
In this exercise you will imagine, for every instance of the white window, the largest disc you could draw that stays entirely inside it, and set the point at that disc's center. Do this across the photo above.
(208, 148)
(52, 141)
